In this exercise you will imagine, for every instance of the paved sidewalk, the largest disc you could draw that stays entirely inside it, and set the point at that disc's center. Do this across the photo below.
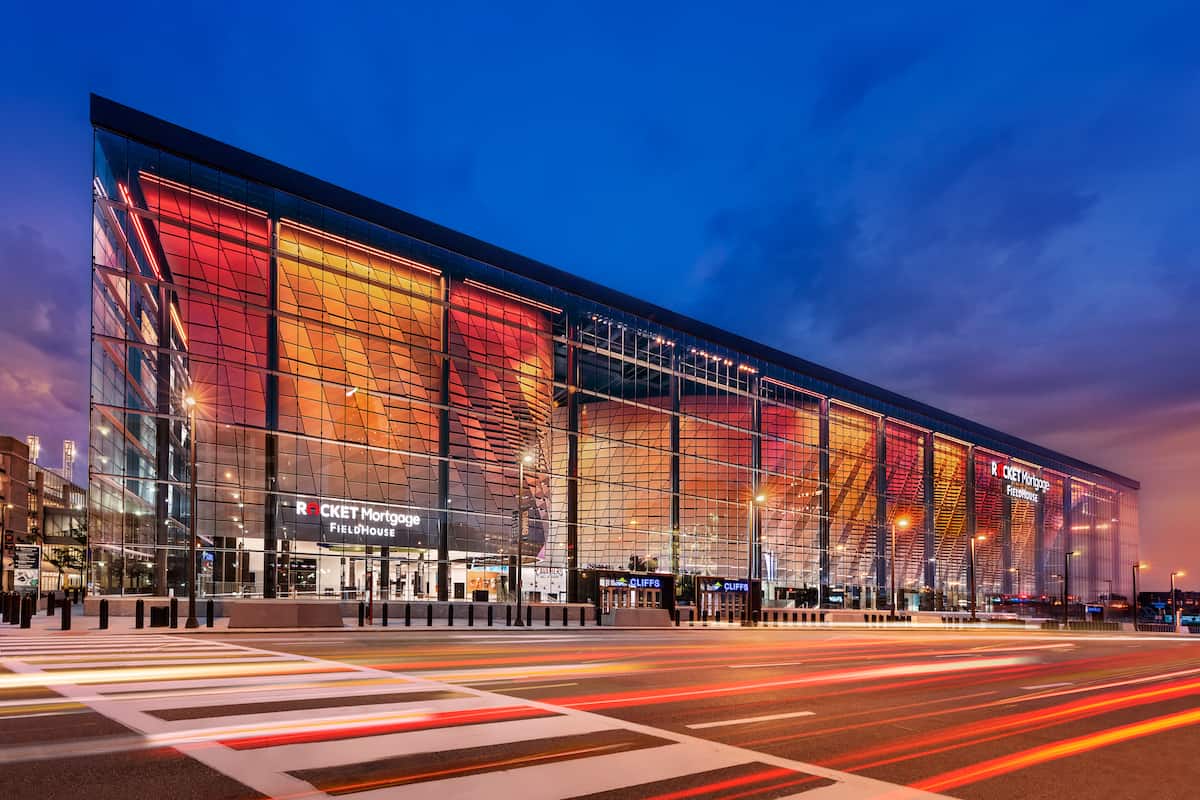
(80, 625)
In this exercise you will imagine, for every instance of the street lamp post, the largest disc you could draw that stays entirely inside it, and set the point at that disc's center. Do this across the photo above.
(1016, 571)
(4, 509)
(1066, 594)
(1174, 605)
(971, 572)
(901, 522)
(1136, 567)
(754, 557)
(192, 622)
(525, 459)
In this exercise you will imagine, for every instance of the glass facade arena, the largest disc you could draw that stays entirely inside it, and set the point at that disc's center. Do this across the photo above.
(384, 403)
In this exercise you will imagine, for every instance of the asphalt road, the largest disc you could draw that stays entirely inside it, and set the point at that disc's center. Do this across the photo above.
(677, 713)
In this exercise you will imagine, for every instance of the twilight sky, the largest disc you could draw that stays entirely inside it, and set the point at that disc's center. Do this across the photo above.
(996, 213)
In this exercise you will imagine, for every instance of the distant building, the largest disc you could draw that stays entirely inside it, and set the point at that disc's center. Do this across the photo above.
(46, 509)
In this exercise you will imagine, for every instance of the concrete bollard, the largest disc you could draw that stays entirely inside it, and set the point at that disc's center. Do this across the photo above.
(104, 615)
(210, 611)
(384, 612)
(139, 614)
(174, 612)
(66, 616)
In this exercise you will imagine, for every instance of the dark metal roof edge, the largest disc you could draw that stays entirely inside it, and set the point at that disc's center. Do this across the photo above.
(150, 130)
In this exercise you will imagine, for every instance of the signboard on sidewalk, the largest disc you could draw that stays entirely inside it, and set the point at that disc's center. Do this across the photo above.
(27, 567)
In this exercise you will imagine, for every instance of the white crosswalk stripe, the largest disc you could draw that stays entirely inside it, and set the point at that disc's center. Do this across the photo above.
(320, 722)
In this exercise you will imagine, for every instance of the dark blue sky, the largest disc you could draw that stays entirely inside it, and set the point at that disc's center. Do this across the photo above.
(994, 212)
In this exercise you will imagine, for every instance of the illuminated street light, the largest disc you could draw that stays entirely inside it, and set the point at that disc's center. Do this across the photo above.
(1135, 568)
(754, 545)
(1066, 585)
(527, 458)
(971, 572)
(902, 523)
(190, 401)
(1175, 606)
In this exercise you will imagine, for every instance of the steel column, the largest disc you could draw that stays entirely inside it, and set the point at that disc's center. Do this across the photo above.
(823, 524)
(884, 549)
(443, 565)
(572, 383)
(930, 532)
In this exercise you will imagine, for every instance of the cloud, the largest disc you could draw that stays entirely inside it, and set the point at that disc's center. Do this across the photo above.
(43, 336)
(858, 66)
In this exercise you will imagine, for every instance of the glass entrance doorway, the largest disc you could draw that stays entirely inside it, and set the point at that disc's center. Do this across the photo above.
(725, 600)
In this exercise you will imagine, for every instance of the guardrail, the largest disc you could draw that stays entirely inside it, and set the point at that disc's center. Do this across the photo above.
(1080, 625)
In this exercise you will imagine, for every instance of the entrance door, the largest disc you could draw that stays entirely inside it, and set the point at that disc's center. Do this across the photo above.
(723, 606)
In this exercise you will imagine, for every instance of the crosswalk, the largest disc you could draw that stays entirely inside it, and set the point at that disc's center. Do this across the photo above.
(294, 726)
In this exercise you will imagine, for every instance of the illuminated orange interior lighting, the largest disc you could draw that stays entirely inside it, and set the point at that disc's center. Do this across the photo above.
(141, 231)
(193, 191)
(790, 386)
(178, 324)
(511, 296)
(350, 243)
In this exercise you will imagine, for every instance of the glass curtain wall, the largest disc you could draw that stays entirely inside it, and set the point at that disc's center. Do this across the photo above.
(376, 414)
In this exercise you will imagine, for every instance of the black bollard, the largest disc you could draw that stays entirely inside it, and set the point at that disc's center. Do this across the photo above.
(362, 613)
(174, 612)
(209, 612)
(14, 609)
(407, 614)
(450, 614)
(384, 614)
(565, 612)
(489, 615)
(471, 615)
(103, 614)
(139, 614)
(677, 618)
(597, 615)
(508, 616)
(528, 616)
(27, 604)
(582, 616)
(66, 616)
(429, 615)
(547, 616)
(3, 606)
(51, 602)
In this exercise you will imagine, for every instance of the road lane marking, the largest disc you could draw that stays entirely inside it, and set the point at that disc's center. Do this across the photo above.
(1047, 686)
(748, 720)
(527, 688)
